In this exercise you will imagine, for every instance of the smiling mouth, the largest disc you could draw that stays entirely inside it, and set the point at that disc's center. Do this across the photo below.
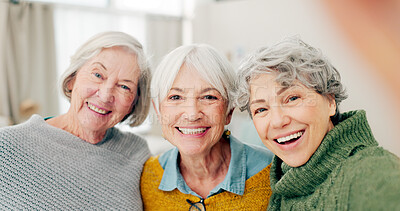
(97, 110)
(191, 131)
(290, 138)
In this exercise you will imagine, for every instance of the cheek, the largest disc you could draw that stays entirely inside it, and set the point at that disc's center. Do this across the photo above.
(261, 126)
(126, 100)
(123, 104)
(167, 115)
(217, 114)
(218, 118)
(84, 89)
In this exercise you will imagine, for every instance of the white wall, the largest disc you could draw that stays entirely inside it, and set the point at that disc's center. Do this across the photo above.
(238, 27)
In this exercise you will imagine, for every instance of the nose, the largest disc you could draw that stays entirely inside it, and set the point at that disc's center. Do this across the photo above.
(106, 93)
(192, 110)
(279, 118)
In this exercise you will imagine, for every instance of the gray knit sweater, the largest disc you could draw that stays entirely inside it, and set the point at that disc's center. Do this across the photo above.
(45, 168)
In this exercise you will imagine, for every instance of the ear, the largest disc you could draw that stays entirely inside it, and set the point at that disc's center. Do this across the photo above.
(71, 83)
(331, 105)
(229, 117)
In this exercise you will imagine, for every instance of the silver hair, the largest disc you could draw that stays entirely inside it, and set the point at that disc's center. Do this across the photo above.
(211, 65)
(92, 47)
(292, 59)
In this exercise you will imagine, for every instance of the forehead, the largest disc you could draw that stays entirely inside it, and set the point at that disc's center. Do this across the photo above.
(114, 52)
(189, 77)
(115, 58)
(266, 84)
(262, 84)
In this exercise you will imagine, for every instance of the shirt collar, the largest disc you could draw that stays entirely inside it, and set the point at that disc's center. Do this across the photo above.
(234, 181)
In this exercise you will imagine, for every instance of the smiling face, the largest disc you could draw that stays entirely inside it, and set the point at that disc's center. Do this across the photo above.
(104, 89)
(291, 121)
(193, 114)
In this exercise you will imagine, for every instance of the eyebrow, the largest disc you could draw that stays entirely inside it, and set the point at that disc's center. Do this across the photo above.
(202, 91)
(257, 101)
(209, 89)
(280, 91)
(177, 89)
(101, 65)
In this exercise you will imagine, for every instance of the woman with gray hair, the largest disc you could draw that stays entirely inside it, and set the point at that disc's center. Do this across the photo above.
(324, 160)
(209, 168)
(79, 160)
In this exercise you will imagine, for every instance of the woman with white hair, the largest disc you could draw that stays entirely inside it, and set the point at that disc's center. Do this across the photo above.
(209, 168)
(325, 160)
(79, 160)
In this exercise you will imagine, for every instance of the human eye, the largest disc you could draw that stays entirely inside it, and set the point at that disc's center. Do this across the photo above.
(97, 75)
(125, 87)
(292, 98)
(259, 110)
(174, 97)
(210, 97)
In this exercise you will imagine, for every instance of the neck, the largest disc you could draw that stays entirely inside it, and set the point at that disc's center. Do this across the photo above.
(203, 172)
(68, 123)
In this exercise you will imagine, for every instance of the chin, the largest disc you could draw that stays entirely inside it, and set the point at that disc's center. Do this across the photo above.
(295, 162)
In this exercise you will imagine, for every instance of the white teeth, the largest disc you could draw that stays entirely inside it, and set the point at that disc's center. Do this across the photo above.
(290, 137)
(191, 131)
(98, 110)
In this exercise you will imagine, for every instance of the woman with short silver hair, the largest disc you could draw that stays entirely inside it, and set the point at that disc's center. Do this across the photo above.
(324, 160)
(79, 160)
(193, 89)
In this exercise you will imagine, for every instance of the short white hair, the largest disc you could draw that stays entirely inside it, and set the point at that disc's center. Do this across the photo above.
(206, 60)
(92, 47)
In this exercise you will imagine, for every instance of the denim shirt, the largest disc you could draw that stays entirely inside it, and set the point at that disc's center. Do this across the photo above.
(246, 161)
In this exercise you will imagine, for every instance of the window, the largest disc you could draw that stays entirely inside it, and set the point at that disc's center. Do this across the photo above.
(164, 7)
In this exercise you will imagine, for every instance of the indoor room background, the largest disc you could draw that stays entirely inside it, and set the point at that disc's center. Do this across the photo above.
(361, 39)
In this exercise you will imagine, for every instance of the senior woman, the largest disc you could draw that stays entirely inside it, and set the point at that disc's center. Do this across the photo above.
(79, 160)
(209, 169)
(324, 160)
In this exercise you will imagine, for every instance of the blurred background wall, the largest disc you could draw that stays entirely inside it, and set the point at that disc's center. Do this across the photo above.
(360, 37)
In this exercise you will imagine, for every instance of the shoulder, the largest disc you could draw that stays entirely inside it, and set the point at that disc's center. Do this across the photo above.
(168, 156)
(373, 158)
(126, 143)
(126, 135)
(129, 138)
(257, 152)
(152, 162)
(32, 126)
(152, 173)
(257, 158)
(152, 168)
(372, 176)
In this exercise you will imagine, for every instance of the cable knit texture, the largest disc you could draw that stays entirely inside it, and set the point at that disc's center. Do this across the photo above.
(347, 172)
(46, 168)
(256, 194)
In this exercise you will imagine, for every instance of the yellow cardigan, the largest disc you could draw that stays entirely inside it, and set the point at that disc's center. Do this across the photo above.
(255, 197)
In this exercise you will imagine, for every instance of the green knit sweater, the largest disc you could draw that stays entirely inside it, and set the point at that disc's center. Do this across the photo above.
(347, 172)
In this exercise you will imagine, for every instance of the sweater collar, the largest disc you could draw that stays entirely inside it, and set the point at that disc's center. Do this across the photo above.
(351, 134)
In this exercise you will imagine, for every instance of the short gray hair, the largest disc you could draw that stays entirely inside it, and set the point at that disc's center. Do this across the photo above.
(292, 59)
(92, 47)
(211, 65)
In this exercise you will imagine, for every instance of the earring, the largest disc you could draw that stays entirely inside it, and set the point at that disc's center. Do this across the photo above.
(227, 133)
